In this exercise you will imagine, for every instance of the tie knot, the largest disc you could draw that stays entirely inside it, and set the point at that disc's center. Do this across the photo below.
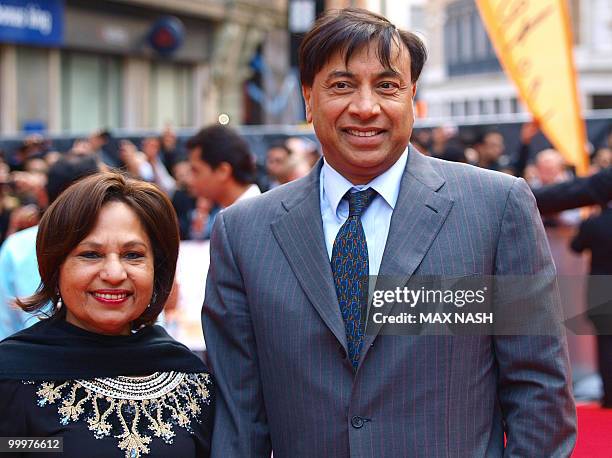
(359, 201)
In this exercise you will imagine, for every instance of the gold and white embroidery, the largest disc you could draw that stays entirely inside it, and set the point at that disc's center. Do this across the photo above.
(131, 408)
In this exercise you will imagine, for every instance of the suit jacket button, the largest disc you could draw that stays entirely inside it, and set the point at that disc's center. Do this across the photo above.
(357, 422)
(342, 352)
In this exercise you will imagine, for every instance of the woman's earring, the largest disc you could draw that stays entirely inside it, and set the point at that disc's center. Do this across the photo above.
(59, 303)
(153, 299)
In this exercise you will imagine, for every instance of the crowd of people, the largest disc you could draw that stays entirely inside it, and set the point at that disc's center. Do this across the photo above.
(216, 168)
(162, 160)
(165, 161)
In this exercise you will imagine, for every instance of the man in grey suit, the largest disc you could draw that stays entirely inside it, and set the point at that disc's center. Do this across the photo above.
(284, 312)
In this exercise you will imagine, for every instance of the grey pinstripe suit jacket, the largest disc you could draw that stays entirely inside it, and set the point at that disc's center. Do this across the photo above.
(276, 339)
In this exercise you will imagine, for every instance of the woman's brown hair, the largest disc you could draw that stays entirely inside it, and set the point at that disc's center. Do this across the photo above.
(73, 216)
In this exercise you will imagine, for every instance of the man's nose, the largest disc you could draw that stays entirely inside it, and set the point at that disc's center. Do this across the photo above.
(365, 104)
(113, 270)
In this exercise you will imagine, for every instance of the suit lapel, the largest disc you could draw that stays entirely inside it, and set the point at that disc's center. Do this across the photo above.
(299, 233)
(417, 219)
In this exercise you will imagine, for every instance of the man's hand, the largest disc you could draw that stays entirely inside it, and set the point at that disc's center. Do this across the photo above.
(528, 131)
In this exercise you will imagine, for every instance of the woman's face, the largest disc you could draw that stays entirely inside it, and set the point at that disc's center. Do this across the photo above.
(106, 282)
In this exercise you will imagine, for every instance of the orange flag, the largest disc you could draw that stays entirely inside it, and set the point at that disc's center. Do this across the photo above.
(533, 41)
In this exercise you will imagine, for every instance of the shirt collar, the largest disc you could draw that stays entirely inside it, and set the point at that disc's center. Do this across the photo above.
(251, 191)
(387, 184)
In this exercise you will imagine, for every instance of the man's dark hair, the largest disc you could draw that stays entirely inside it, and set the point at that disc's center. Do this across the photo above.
(482, 135)
(66, 171)
(279, 145)
(347, 31)
(220, 144)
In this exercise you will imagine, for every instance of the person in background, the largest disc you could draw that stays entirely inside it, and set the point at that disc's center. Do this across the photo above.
(439, 138)
(550, 169)
(169, 151)
(19, 275)
(578, 192)
(7, 201)
(102, 145)
(276, 162)
(34, 145)
(201, 219)
(595, 236)
(421, 140)
(151, 147)
(297, 166)
(602, 159)
(97, 371)
(182, 200)
(490, 148)
(223, 169)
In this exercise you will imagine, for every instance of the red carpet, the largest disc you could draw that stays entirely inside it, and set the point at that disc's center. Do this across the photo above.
(594, 432)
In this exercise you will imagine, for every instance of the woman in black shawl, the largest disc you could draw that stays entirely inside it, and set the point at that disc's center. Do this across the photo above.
(97, 372)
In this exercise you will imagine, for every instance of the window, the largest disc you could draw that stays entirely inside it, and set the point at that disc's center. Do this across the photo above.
(466, 37)
(602, 101)
(171, 95)
(468, 49)
(32, 88)
(91, 92)
(482, 107)
(481, 39)
(452, 41)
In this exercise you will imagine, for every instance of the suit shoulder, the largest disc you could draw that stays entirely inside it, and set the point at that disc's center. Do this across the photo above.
(460, 174)
(268, 204)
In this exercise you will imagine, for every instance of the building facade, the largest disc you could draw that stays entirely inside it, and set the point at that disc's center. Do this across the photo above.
(464, 83)
(73, 66)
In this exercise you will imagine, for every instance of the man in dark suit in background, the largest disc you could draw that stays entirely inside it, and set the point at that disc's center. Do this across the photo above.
(593, 190)
(285, 308)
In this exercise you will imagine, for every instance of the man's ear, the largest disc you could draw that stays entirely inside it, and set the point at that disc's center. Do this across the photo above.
(306, 93)
(225, 170)
(414, 89)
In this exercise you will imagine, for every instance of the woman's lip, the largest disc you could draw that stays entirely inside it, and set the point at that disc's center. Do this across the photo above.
(104, 300)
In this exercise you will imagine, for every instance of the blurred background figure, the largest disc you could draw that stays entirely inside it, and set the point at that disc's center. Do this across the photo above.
(550, 168)
(151, 147)
(182, 199)
(490, 148)
(222, 167)
(601, 159)
(421, 140)
(595, 236)
(101, 144)
(170, 152)
(201, 219)
(277, 157)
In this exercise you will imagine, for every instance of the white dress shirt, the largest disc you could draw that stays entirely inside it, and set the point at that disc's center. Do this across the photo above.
(375, 220)
(251, 191)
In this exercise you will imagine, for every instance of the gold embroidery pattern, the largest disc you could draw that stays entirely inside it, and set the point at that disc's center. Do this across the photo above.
(131, 408)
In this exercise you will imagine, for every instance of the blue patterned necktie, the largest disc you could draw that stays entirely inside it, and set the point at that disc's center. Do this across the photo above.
(350, 269)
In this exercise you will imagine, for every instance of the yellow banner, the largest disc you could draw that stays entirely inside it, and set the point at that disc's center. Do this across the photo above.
(533, 41)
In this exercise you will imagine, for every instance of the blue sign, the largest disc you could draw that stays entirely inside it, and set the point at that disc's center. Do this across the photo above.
(167, 35)
(36, 22)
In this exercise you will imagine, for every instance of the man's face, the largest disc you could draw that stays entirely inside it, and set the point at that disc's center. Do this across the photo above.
(276, 162)
(205, 181)
(493, 146)
(362, 113)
